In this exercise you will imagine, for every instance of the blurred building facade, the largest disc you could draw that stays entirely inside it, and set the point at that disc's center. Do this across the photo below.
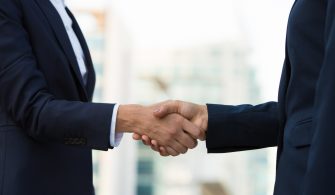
(205, 73)
(214, 73)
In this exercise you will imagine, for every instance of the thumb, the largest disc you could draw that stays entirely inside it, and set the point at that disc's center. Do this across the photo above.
(167, 108)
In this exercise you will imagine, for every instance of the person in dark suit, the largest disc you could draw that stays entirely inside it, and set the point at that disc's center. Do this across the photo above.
(48, 124)
(301, 123)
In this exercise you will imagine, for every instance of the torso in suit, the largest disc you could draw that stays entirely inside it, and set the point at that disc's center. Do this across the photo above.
(48, 124)
(302, 123)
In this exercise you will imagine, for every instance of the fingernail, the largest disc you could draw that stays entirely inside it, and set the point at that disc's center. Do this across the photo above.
(157, 110)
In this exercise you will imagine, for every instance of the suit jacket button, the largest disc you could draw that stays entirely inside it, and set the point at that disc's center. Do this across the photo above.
(82, 141)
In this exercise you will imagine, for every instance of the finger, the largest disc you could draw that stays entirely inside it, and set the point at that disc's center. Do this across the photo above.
(187, 140)
(192, 129)
(166, 108)
(144, 143)
(164, 154)
(155, 148)
(146, 140)
(175, 145)
(171, 151)
(163, 151)
(154, 145)
(202, 136)
(136, 136)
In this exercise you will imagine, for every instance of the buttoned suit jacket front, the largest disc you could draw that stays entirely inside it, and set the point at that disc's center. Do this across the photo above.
(301, 123)
(48, 124)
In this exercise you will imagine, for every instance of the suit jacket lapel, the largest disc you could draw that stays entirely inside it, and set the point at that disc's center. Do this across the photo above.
(89, 64)
(58, 27)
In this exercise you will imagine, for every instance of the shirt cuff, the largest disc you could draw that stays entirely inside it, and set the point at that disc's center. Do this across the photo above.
(115, 137)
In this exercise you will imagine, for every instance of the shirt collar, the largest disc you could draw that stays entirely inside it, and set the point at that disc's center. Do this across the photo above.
(58, 2)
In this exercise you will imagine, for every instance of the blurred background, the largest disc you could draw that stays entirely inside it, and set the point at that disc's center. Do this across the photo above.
(204, 51)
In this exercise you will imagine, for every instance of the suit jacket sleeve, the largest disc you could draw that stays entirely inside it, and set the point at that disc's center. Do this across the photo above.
(243, 127)
(320, 170)
(24, 93)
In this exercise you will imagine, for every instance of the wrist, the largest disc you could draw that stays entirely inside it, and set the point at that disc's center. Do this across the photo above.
(204, 117)
(126, 118)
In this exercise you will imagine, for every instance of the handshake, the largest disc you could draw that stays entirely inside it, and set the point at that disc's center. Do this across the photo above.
(170, 127)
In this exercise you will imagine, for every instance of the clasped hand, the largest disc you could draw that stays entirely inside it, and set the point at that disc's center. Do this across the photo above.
(175, 127)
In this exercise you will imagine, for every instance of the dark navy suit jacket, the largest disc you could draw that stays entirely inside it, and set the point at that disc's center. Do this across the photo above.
(48, 124)
(302, 123)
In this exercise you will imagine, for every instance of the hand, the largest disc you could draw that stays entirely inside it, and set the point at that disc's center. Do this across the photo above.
(196, 113)
(174, 132)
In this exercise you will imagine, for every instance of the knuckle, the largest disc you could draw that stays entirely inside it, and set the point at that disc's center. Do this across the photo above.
(184, 152)
(193, 145)
(197, 133)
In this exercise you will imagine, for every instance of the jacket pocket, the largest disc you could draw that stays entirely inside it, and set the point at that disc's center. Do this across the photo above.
(301, 135)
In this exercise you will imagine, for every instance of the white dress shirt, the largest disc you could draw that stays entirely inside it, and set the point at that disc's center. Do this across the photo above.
(115, 138)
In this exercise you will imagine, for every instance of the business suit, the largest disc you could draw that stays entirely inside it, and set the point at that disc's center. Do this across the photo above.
(301, 123)
(48, 124)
